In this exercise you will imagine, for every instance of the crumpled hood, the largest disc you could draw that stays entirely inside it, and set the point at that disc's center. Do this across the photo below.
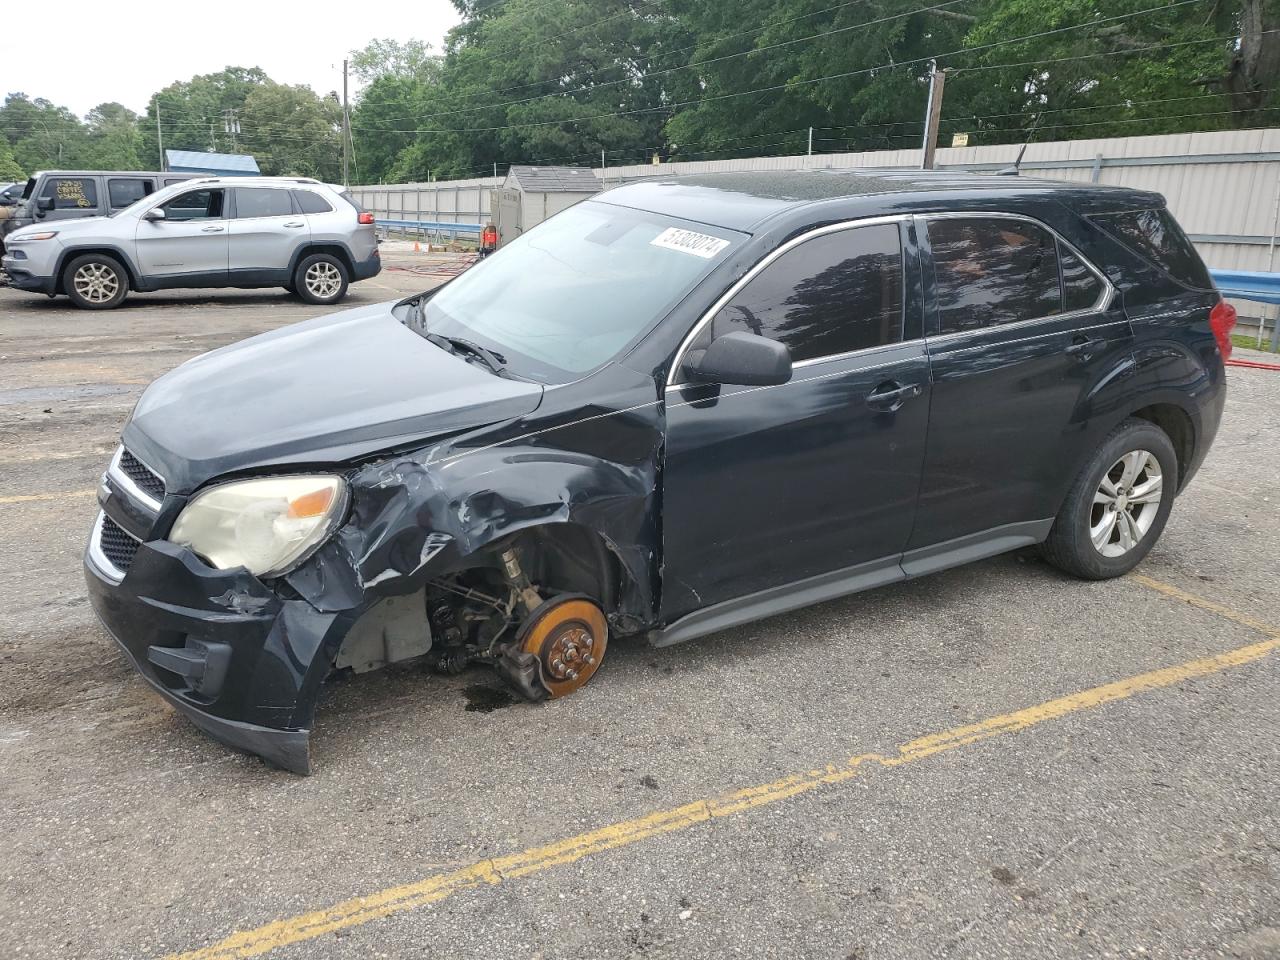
(321, 391)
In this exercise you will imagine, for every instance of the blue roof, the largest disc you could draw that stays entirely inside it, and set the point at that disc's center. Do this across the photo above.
(213, 162)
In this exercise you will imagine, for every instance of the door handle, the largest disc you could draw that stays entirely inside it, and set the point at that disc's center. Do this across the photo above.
(1082, 346)
(891, 394)
(293, 223)
(212, 229)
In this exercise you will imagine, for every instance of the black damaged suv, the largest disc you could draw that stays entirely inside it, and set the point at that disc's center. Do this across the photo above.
(679, 406)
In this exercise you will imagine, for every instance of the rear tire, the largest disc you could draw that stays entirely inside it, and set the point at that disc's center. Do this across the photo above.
(1118, 505)
(95, 281)
(320, 278)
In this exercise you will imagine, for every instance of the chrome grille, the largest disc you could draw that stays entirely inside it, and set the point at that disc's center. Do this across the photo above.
(116, 545)
(142, 476)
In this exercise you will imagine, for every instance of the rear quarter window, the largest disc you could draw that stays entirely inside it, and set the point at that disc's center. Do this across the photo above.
(1156, 237)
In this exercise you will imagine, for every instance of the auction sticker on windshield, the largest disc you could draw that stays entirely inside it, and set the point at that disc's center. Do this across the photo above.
(687, 241)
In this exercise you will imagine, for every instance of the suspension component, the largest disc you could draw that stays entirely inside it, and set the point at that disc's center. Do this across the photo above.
(529, 597)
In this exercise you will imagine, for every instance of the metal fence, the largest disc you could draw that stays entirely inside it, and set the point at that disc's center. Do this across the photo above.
(1223, 186)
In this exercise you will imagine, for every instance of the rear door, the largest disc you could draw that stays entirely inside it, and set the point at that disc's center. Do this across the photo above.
(1023, 336)
(266, 229)
(767, 486)
(190, 243)
(122, 191)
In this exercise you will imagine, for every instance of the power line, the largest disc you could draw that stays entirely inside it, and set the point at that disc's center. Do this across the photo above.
(697, 63)
(963, 51)
(667, 53)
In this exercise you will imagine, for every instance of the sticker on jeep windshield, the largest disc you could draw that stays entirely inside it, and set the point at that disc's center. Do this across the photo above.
(686, 241)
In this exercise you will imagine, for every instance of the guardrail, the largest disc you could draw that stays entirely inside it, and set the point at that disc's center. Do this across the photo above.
(428, 228)
(1248, 285)
(1256, 285)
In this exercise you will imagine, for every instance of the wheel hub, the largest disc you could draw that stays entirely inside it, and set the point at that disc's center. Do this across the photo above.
(569, 637)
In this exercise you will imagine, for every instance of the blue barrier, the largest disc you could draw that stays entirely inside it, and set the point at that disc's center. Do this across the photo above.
(431, 225)
(1248, 285)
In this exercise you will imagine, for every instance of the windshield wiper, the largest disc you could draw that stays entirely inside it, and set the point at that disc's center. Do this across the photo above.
(494, 361)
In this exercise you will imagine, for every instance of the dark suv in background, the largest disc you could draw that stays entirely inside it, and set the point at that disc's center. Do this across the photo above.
(679, 406)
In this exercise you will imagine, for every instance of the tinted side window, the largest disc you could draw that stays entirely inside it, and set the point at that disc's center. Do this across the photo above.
(1081, 287)
(196, 205)
(309, 202)
(1156, 237)
(121, 192)
(829, 295)
(71, 193)
(993, 271)
(262, 203)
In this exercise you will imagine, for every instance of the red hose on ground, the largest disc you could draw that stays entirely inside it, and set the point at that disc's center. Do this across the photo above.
(1253, 364)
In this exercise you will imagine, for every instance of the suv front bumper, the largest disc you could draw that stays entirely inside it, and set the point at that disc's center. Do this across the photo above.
(242, 664)
(32, 266)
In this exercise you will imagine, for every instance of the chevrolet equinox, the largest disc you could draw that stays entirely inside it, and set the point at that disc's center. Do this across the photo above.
(680, 406)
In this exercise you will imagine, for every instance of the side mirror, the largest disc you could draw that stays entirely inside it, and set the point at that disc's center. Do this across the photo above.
(44, 204)
(740, 358)
(154, 214)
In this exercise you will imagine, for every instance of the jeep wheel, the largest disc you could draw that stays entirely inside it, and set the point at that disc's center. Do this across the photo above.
(1118, 505)
(320, 278)
(95, 281)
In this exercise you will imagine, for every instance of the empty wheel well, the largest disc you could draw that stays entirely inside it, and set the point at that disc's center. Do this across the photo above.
(567, 558)
(333, 249)
(1175, 422)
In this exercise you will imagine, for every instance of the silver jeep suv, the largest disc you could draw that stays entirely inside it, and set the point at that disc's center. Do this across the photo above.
(306, 236)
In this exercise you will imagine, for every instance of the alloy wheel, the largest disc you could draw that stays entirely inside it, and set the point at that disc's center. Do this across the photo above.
(322, 280)
(1126, 503)
(96, 282)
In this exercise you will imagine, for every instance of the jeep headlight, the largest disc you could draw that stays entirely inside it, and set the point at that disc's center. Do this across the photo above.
(267, 526)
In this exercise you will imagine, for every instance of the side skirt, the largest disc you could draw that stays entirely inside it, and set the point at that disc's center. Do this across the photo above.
(839, 583)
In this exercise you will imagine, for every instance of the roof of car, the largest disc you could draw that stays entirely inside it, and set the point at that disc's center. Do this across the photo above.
(741, 200)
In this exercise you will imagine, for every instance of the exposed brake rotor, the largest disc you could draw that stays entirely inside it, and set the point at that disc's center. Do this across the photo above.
(568, 636)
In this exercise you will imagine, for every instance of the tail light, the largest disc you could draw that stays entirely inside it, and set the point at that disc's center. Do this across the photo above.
(1222, 319)
(365, 217)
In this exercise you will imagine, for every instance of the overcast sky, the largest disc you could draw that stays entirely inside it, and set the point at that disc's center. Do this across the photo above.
(129, 50)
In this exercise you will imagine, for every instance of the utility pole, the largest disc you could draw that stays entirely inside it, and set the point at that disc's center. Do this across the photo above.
(602, 169)
(932, 114)
(231, 126)
(159, 136)
(346, 128)
(811, 141)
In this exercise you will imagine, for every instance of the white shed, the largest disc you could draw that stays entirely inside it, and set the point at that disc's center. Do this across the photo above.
(531, 194)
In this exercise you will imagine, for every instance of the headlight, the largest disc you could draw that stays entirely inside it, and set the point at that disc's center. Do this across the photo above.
(22, 238)
(265, 525)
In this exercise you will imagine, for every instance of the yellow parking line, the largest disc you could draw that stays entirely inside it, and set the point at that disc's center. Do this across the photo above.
(485, 873)
(31, 497)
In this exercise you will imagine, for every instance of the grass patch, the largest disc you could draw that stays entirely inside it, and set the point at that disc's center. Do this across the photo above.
(1250, 341)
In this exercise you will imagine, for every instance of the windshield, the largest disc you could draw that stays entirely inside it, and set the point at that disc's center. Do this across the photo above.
(575, 291)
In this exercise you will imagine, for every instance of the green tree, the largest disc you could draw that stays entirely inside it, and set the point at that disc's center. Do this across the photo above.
(291, 131)
(113, 138)
(193, 113)
(10, 172)
(41, 134)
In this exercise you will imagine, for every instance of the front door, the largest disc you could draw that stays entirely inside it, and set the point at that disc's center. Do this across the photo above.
(265, 231)
(767, 486)
(1025, 336)
(190, 244)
